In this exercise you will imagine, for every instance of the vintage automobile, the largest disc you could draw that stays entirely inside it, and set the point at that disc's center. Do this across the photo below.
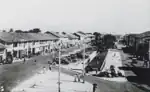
(63, 60)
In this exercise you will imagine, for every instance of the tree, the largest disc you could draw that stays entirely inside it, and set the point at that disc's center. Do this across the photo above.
(97, 41)
(25, 31)
(47, 32)
(35, 30)
(19, 31)
(109, 40)
(11, 30)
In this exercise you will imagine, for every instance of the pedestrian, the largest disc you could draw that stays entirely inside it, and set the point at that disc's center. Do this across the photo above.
(44, 69)
(50, 65)
(145, 64)
(24, 60)
(78, 77)
(75, 78)
(96, 71)
(94, 87)
(112, 70)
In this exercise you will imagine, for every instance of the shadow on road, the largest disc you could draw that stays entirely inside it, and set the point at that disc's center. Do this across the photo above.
(135, 74)
(143, 75)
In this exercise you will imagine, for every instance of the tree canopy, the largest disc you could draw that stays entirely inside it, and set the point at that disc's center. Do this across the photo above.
(47, 32)
(11, 30)
(35, 30)
(103, 42)
(19, 31)
(109, 40)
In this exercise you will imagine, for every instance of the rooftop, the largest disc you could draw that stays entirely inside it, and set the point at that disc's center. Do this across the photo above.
(2, 46)
(20, 37)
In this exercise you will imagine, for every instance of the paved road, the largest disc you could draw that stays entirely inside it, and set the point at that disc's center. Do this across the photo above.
(107, 86)
(13, 74)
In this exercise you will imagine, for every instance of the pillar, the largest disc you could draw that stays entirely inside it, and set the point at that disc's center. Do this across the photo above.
(149, 53)
(27, 48)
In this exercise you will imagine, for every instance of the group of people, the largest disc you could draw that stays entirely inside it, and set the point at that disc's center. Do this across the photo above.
(77, 78)
(111, 72)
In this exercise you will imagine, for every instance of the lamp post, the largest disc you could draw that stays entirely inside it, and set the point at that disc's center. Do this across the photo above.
(83, 60)
(149, 53)
(59, 70)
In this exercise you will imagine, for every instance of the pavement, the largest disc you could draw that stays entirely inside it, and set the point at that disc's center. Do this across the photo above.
(135, 73)
(13, 74)
(109, 84)
(47, 81)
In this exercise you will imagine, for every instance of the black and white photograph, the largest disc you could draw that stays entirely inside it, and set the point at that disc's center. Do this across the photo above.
(74, 45)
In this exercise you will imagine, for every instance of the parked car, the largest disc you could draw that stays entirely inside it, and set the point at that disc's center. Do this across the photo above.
(88, 68)
(63, 61)
(73, 56)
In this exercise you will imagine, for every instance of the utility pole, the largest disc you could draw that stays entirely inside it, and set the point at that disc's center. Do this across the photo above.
(83, 60)
(149, 52)
(59, 70)
(53, 49)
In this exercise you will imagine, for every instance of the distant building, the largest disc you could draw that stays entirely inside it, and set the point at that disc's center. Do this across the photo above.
(80, 35)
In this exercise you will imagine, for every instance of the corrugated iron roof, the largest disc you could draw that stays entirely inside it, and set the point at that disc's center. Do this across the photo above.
(9, 37)
(56, 34)
(64, 35)
(71, 36)
(80, 34)
(145, 34)
(19, 37)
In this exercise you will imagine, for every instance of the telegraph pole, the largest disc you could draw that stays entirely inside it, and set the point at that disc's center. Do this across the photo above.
(59, 70)
(149, 52)
(83, 60)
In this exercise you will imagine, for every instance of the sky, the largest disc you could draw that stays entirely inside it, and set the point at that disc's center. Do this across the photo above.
(105, 16)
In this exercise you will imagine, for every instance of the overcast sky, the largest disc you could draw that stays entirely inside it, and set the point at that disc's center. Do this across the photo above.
(110, 16)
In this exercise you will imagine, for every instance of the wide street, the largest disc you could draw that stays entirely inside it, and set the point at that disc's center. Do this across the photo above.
(13, 74)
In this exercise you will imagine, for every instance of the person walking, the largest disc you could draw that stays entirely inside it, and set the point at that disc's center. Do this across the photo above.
(50, 65)
(75, 78)
(78, 77)
(94, 87)
(145, 64)
(24, 60)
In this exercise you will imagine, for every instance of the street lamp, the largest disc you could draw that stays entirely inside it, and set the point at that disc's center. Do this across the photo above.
(83, 60)
(59, 69)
